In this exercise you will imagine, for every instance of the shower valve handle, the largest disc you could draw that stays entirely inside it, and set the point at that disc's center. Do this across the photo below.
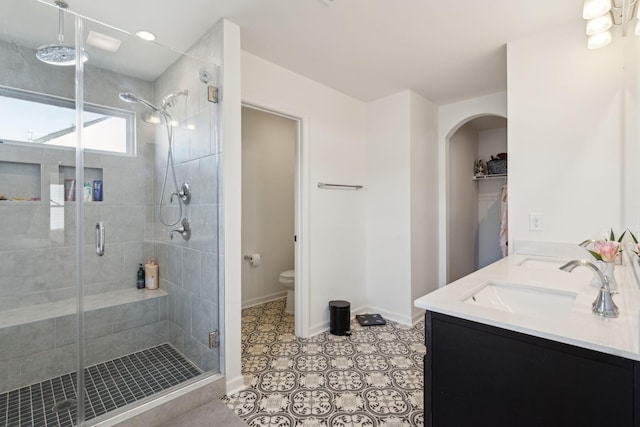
(184, 193)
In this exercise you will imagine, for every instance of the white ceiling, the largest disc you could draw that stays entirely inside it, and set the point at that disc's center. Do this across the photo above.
(443, 50)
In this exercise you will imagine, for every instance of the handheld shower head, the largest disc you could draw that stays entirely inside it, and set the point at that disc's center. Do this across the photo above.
(129, 97)
(132, 98)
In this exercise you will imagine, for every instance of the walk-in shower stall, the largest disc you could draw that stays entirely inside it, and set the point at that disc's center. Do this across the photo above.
(84, 207)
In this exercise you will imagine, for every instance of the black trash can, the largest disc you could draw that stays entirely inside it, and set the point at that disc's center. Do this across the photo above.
(339, 317)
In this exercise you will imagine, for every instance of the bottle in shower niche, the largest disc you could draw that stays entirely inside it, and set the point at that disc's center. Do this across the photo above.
(88, 192)
(151, 273)
(97, 190)
(140, 283)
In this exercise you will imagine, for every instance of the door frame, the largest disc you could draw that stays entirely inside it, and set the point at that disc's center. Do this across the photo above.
(301, 215)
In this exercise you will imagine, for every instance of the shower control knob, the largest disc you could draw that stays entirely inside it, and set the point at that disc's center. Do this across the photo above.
(184, 193)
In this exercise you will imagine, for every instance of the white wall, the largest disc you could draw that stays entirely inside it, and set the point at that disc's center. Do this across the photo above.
(388, 201)
(462, 204)
(450, 118)
(424, 200)
(401, 204)
(567, 142)
(268, 160)
(333, 138)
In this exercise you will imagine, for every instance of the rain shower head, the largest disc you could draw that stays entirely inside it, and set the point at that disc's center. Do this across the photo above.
(59, 53)
(132, 98)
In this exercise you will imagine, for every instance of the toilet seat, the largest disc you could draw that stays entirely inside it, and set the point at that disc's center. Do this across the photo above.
(288, 276)
(288, 280)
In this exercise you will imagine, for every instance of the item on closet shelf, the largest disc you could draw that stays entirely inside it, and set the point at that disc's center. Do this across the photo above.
(479, 168)
(498, 164)
(151, 273)
(140, 278)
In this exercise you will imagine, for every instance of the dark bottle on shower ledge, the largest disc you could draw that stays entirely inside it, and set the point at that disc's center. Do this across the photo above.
(140, 280)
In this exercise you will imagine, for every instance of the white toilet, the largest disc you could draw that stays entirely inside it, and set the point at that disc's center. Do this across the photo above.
(288, 279)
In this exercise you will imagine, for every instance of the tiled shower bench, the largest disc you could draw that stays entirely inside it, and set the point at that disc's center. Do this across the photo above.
(39, 342)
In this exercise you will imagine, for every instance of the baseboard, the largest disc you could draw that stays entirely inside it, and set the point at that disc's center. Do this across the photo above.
(324, 326)
(234, 385)
(264, 299)
(404, 320)
(418, 317)
(388, 315)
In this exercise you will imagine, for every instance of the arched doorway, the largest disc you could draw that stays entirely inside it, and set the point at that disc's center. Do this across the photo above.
(474, 211)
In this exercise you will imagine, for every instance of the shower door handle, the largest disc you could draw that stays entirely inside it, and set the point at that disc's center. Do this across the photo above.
(100, 238)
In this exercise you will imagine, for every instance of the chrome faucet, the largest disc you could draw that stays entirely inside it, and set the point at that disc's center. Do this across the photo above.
(588, 242)
(603, 304)
(184, 231)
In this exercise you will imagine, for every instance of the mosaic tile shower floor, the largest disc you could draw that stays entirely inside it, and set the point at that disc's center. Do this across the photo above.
(373, 378)
(109, 385)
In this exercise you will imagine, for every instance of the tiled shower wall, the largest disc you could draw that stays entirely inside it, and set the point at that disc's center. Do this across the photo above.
(38, 264)
(191, 266)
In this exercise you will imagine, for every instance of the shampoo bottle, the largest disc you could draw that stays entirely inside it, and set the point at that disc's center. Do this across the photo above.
(140, 280)
(151, 273)
(87, 192)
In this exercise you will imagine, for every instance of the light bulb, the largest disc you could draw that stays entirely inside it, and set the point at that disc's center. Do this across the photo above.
(599, 24)
(594, 8)
(599, 40)
(146, 35)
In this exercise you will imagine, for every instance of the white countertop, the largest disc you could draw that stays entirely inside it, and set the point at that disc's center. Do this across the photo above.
(618, 336)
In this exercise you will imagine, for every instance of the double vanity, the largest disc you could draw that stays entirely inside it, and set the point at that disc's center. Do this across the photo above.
(516, 344)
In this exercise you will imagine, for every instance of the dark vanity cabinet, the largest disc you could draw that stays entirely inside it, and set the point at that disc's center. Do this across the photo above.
(478, 375)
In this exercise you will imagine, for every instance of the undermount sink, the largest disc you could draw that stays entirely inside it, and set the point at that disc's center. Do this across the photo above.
(542, 263)
(523, 299)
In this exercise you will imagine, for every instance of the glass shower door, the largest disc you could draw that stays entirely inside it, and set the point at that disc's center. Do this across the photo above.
(38, 256)
(153, 189)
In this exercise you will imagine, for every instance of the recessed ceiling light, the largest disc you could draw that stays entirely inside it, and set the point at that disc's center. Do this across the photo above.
(102, 41)
(146, 35)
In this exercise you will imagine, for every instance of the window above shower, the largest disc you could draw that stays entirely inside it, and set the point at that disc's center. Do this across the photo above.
(45, 120)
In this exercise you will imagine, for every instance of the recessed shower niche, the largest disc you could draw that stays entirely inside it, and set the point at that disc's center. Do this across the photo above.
(20, 181)
(67, 182)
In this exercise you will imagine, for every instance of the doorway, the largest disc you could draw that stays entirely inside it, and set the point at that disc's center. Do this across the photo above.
(474, 204)
(270, 208)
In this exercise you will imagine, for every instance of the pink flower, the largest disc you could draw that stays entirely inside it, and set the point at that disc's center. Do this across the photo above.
(607, 250)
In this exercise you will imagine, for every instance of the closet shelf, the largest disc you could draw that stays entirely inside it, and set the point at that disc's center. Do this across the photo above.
(492, 176)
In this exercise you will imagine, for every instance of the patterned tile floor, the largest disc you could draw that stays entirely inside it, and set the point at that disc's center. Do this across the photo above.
(109, 385)
(373, 378)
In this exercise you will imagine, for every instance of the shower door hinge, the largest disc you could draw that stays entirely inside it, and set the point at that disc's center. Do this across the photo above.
(213, 339)
(213, 94)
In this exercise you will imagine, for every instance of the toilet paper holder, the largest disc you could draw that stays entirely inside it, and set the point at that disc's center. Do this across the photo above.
(254, 259)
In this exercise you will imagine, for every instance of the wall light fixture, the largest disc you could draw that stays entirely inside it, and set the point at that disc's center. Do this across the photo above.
(605, 17)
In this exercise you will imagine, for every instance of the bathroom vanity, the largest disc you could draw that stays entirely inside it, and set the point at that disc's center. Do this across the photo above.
(516, 344)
